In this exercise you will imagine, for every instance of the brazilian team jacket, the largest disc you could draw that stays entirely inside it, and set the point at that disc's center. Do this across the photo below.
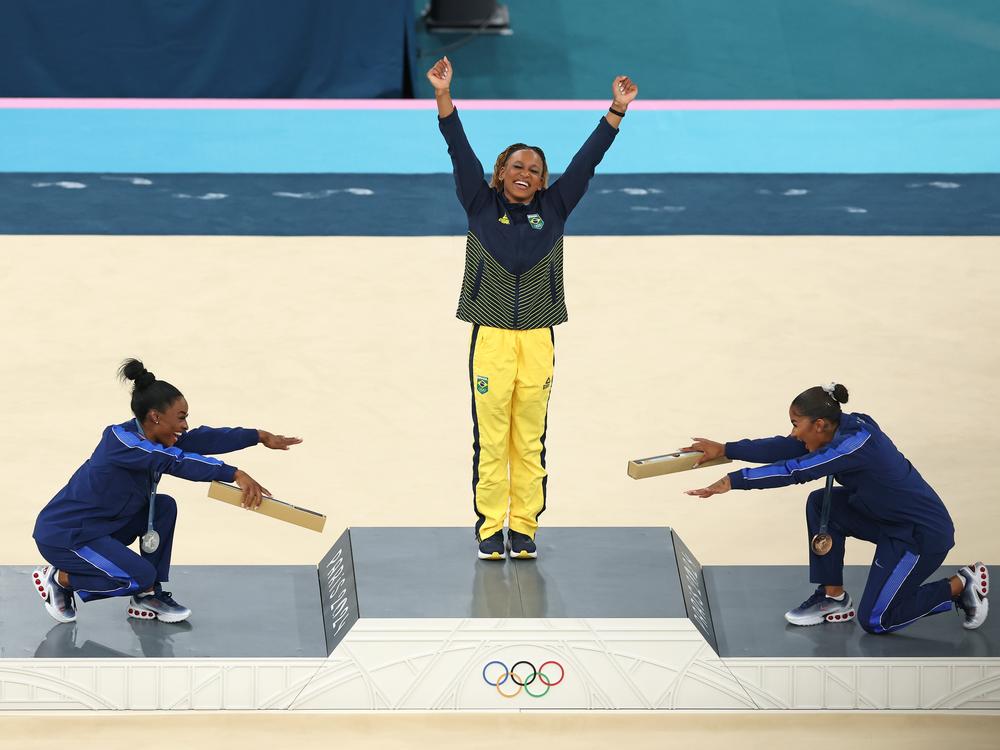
(882, 483)
(115, 483)
(514, 252)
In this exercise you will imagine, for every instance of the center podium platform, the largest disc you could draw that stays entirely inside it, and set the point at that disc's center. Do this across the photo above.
(408, 619)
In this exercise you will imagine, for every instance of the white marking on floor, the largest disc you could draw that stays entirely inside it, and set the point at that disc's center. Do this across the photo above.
(318, 194)
(140, 181)
(940, 184)
(64, 184)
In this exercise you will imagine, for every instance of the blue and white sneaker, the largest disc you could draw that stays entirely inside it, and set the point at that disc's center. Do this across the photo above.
(59, 601)
(820, 608)
(973, 599)
(157, 605)
(492, 547)
(521, 546)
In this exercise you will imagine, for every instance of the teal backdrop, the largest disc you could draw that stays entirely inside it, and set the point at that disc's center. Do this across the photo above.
(731, 49)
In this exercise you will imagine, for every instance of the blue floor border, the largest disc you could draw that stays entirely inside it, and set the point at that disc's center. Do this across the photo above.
(425, 205)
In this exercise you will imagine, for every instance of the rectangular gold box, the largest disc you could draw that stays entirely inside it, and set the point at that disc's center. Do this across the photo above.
(669, 463)
(308, 519)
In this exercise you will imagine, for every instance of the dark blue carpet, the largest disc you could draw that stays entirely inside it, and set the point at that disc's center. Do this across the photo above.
(415, 205)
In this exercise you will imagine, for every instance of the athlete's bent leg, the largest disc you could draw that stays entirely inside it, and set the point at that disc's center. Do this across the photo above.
(895, 594)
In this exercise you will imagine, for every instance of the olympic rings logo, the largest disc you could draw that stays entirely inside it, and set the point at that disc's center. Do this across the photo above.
(522, 674)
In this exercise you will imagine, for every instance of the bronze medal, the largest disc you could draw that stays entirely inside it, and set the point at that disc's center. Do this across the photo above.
(821, 544)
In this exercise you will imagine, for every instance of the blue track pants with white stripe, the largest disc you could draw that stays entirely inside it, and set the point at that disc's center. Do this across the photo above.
(106, 567)
(895, 594)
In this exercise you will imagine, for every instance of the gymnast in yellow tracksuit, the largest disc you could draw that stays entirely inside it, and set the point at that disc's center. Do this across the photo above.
(512, 293)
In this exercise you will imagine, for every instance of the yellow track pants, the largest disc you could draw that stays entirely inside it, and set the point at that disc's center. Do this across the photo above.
(511, 377)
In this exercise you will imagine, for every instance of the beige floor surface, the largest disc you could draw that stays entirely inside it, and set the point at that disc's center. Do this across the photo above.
(817, 731)
(352, 344)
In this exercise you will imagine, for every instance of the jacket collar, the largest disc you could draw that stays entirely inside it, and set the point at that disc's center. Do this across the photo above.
(527, 207)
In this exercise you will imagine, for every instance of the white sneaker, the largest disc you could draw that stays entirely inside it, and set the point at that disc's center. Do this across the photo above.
(973, 599)
(820, 608)
(59, 601)
(159, 605)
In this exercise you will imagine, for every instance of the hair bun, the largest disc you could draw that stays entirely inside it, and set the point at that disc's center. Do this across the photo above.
(840, 394)
(133, 369)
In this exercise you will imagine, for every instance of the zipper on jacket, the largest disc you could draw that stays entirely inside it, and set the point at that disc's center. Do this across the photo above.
(517, 296)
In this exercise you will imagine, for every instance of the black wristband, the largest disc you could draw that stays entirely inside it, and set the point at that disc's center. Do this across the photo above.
(614, 111)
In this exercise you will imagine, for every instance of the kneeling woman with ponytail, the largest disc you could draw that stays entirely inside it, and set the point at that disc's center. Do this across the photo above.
(111, 501)
(882, 499)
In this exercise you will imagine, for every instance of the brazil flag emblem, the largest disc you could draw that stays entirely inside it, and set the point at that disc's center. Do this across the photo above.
(536, 221)
(482, 384)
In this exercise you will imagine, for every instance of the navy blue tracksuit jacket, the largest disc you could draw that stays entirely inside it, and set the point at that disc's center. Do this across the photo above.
(882, 499)
(115, 483)
(882, 483)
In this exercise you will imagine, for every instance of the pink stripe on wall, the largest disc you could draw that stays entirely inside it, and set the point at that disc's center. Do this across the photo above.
(502, 104)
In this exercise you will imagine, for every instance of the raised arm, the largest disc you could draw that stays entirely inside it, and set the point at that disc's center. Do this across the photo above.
(572, 184)
(211, 441)
(766, 450)
(440, 77)
(132, 451)
(469, 182)
(759, 451)
(843, 453)
(623, 92)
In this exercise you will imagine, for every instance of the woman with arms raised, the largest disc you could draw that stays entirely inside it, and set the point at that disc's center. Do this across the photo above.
(512, 294)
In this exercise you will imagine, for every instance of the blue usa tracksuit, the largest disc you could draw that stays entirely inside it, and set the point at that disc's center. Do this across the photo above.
(882, 499)
(85, 529)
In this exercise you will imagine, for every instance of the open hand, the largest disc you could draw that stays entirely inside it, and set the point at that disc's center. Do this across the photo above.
(716, 488)
(710, 448)
(623, 91)
(277, 442)
(440, 74)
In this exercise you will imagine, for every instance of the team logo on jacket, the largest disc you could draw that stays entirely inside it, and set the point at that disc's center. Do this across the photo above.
(504, 219)
(548, 382)
(482, 384)
(536, 221)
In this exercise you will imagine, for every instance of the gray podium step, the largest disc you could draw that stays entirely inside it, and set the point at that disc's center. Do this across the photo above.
(433, 574)
(748, 603)
(239, 611)
(581, 572)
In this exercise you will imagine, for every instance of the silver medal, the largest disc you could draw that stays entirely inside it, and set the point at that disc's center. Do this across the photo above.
(150, 541)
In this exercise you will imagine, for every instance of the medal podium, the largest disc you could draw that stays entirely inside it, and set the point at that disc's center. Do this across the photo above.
(408, 619)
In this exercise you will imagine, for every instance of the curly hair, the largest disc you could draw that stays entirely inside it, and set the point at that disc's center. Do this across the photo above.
(505, 156)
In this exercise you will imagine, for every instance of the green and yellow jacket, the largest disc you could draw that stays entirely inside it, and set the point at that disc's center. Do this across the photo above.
(514, 253)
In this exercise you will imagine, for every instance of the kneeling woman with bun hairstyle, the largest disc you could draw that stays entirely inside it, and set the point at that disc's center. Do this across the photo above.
(882, 499)
(111, 501)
